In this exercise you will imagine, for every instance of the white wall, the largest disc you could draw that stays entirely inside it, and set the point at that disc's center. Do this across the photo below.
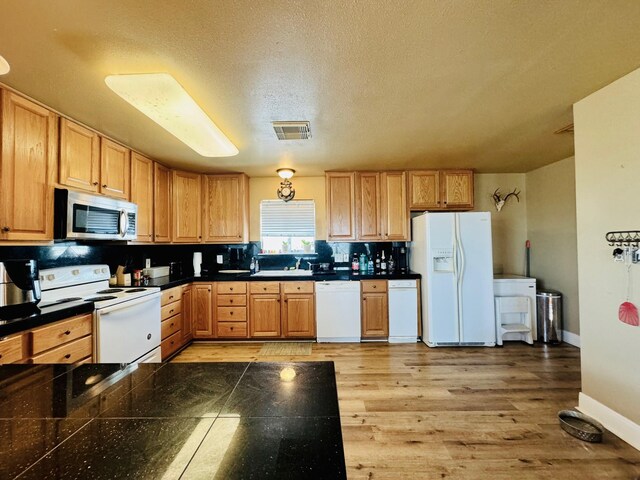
(551, 227)
(607, 146)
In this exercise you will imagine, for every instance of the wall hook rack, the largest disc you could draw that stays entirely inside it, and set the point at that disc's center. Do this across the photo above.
(623, 238)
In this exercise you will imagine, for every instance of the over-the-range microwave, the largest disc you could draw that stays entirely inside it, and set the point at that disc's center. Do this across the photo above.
(93, 217)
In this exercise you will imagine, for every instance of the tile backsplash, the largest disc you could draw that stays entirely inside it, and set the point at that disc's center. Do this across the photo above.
(113, 254)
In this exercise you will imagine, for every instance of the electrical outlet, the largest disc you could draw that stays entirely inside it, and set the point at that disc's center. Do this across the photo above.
(147, 263)
(219, 259)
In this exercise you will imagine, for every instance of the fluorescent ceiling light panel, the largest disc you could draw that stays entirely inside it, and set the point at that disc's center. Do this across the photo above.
(4, 66)
(161, 98)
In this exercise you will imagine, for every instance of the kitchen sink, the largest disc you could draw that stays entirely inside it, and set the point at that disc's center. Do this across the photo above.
(283, 273)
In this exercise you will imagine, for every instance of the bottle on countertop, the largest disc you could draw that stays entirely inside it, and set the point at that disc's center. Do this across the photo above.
(392, 264)
(383, 264)
(257, 269)
(355, 263)
(377, 267)
(370, 265)
(252, 265)
(363, 263)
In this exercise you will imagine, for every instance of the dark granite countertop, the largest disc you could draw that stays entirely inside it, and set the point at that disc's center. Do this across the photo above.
(152, 421)
(170, 282)
(30, 316)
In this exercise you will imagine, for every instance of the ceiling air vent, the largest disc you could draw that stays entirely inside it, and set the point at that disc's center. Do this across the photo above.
(292, 130)
(567, 129)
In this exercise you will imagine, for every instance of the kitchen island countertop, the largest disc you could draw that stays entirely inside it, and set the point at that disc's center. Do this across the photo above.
(152, 421)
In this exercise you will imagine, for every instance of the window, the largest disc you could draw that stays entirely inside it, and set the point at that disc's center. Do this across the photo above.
(288, 227)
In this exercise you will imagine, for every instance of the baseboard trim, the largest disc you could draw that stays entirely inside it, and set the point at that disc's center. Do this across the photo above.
(612, 420)
(571, 338)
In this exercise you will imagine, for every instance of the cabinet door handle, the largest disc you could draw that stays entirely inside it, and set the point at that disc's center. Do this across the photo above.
(68, 332)
(6, 229)
(104, 186)
(95, 183)
(286, 300)
(0, 355)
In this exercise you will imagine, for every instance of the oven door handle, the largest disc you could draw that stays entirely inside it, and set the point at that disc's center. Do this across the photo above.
(126, 304)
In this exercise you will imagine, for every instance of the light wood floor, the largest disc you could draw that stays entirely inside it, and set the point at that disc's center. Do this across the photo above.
(409, 411)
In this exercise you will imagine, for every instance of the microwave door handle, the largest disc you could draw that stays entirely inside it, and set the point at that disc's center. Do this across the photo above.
(122, 223)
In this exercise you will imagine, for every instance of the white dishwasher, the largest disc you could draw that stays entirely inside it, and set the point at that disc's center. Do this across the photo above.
(338, 311)
(403, 311)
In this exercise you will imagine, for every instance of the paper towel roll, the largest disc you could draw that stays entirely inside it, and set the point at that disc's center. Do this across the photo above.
(197, 263)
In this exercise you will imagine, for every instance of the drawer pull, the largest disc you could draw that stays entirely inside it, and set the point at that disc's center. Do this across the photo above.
(298, 288)
(170, 297)
(67, 356)
(171, 325)
(230, 313)
(68, 332)
(230, 301)
(0, 355)
(231, 289)
(171, 311)
(375, 286)
(264, 288)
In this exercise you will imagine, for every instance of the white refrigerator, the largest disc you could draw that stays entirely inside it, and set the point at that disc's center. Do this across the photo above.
(452, 253)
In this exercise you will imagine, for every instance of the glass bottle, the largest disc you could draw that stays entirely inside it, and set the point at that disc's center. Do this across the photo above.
(363, 263)
(383, 264)
(355, 263)
(392, 264)
(377, 267)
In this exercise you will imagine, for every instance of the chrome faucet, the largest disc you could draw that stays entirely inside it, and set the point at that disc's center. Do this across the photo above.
(298, 263)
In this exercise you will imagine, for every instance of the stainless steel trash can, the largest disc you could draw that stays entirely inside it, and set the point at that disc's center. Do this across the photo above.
(549, 308)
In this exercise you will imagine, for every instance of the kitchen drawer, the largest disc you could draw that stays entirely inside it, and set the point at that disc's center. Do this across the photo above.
(297, 287)
(231, 287)
(71, 352)
(231, 314)
(231, 300)
(171, 326)
(171, 309)
(11, 349)
(232, 329)
(374, 286)
(44, 338)
(171, 295)
(170, 345)
(264, 287)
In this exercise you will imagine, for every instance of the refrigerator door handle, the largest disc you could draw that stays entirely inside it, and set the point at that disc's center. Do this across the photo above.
(459, 253)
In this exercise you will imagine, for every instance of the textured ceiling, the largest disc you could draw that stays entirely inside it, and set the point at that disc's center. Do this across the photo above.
(385, 84)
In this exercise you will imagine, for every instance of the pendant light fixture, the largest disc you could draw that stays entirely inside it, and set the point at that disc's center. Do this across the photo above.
(161, 98)
(4, 66)
(286, 191)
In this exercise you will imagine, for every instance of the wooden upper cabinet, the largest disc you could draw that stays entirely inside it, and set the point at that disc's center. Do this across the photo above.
(79, 157)
(457, 189)
(115, 169)
(395, 209)
(424, 190)
(28, 162)
(142, 194)
(340, 192)
(368, 214)
(186, 207)
(441, 190)
(226, 208)
(161, 203)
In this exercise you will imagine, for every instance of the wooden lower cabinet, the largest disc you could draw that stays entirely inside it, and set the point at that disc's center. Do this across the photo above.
(230, 317)
(264, 315)
(298, 316)
(12, 349)
(375, 309)
(187, 314)
(66, 341)
(202, 310)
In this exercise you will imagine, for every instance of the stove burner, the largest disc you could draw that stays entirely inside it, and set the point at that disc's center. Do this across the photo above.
(110, 290)
(100, 299)
(134, 290)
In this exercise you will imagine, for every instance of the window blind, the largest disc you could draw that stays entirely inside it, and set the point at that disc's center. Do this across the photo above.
(296, 218)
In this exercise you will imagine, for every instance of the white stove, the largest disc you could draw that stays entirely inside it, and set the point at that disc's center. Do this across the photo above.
(126, 320)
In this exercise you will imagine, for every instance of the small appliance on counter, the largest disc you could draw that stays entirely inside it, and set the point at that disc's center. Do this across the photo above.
(19, 283)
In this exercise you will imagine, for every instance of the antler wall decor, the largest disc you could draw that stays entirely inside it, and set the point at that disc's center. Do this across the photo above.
(499, 200)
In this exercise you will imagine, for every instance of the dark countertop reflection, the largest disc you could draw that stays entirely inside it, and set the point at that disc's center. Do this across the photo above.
(217, 420)
(23, 317)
